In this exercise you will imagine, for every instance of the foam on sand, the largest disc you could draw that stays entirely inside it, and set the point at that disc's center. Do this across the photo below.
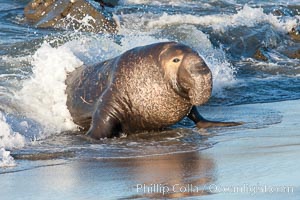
(8, 140)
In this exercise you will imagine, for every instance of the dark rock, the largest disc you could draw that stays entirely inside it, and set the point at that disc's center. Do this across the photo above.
(260, 54)
(292, 52)
(295, 34)
(278, 13)
(69, 14)
(109, 3)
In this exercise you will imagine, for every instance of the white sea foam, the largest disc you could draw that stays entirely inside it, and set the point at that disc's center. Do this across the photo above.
(94, 49)
(8, 140)
(132, 1)
(42, 96)
(247, 16)
(85, 22)
(131, 41)
(6, 160)
(158, 2)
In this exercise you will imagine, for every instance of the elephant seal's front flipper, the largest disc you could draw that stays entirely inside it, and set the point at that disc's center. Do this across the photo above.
(105, 123)
(201, 122)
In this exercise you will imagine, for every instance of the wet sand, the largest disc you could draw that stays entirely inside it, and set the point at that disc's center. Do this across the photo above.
(249, 162)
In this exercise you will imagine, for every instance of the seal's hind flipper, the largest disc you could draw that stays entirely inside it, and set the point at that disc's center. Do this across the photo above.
(201, 122)
(208, 124)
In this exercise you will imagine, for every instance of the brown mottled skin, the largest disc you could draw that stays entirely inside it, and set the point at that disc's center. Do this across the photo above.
(145, 88)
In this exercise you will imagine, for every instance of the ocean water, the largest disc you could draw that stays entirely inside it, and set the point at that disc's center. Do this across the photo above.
(36, 124)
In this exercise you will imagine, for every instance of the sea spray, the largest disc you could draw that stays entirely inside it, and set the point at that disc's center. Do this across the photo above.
(42, 96)
(246, 16)
(8, 140)
(6, 160)
(158, 2)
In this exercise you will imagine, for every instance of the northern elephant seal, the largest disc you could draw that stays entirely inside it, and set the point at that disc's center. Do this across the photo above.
(145, 88)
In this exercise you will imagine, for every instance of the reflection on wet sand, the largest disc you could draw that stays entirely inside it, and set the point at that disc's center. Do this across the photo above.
(169, 176)
(185, 174)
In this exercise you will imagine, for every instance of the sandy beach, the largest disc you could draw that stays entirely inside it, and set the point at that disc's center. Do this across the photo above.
(249, 162)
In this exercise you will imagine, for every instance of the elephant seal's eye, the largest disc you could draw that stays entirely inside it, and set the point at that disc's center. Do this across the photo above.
(176, 60)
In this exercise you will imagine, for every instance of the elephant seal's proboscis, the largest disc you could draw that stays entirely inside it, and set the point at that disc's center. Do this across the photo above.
(145, 88)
